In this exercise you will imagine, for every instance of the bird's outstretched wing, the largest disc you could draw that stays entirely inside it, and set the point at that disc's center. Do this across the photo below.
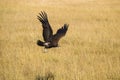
(47, 30)
(60, 33)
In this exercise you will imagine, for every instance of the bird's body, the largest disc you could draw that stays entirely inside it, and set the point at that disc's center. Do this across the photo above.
(50, 40)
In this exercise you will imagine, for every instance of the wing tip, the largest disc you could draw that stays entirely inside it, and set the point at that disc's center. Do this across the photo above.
(43, 14)
(42, 17)
(66, 26)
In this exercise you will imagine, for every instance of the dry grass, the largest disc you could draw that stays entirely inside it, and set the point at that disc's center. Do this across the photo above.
(89, 51)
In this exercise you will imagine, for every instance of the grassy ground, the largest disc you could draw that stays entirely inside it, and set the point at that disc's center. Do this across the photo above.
(89, 51)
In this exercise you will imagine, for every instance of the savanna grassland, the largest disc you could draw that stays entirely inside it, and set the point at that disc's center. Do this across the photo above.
(89, 51)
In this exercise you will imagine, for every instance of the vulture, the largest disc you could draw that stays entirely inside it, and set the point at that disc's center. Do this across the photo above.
(50, 39)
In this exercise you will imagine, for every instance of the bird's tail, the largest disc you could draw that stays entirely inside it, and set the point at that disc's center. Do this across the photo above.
(40, 43)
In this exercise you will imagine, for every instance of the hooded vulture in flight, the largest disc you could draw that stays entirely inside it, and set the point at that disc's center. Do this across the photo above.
(50, 39)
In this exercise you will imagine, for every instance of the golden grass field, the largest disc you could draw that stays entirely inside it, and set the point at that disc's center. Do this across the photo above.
(89, 51)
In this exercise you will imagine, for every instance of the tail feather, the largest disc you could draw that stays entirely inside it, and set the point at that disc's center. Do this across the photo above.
(40, 43)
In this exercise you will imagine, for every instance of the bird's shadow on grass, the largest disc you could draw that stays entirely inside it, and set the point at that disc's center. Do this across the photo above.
(48, 76)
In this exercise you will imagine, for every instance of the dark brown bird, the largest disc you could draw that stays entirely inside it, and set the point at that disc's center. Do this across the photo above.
(50, 39)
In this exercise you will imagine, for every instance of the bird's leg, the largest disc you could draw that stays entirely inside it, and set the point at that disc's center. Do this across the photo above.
(45, 50)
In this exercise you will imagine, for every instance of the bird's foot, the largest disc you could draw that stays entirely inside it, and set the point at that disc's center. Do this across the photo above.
(45, 50)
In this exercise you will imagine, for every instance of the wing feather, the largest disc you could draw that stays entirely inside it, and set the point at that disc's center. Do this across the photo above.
(60, 33)
(47, 30)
